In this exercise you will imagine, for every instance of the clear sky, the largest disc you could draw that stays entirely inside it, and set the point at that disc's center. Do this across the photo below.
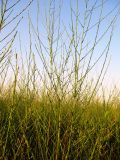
(113, 74)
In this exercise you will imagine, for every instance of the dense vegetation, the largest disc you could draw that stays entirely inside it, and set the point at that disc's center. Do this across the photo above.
(37, 128)
(49, 106)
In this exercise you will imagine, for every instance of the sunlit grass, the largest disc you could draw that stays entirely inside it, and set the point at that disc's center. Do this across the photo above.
(29, 129)
(50, 109)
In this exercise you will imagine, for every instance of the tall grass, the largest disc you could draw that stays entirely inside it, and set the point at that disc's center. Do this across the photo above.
(39, 129)
(52, 109)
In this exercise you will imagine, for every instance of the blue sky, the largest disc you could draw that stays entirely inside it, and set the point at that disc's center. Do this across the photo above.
(113, 74)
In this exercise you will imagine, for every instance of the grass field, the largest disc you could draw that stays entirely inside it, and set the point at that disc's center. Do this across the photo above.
(37, 128)
(53, 105)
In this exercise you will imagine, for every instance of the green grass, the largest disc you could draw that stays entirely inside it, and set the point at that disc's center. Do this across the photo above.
(36, 128)
(49, 106)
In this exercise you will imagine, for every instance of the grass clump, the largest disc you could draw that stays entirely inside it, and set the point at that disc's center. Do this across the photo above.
(44, 130)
